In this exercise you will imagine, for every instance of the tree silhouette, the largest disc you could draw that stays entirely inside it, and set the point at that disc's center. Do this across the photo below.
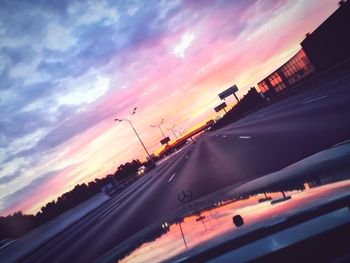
(17, 224)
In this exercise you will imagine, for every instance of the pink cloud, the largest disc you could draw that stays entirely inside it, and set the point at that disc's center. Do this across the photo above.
(231, 44)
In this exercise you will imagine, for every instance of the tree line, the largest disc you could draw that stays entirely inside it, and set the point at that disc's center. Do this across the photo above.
(17, 224)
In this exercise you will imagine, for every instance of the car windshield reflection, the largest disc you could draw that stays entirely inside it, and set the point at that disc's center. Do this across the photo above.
(208, 225)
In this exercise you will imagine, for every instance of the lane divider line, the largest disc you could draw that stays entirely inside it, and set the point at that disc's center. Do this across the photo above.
(108, 211)
(244, 137)
(316, 99)
(171, 178)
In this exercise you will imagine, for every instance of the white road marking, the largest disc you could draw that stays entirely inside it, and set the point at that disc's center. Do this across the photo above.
(108, 211)
(260, 116)
(224, 136)
(171, 178)
(244, 137)
(312, 100)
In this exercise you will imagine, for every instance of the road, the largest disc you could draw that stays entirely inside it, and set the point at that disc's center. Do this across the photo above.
(262, 142)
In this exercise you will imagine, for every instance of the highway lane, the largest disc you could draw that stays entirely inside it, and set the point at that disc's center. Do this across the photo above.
(92, 232)
(260, 143)
(335, 87)
(270, 139)
(17, 250)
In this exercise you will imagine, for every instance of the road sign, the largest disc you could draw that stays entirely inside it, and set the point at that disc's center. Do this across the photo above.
(230, 91)
(165, 140)
(220, 107)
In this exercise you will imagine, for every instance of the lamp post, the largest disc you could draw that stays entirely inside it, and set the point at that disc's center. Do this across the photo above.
(159, 126)
(179, 131)
(132, 126)
(172, 129)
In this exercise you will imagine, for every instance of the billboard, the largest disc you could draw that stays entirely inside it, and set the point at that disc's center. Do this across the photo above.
(165, 140)
(220, 107)
(230, 91)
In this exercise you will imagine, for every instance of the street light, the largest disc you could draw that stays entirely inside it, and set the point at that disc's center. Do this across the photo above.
(172, 129)
(179, 132)
(132, 126)
(159, 127)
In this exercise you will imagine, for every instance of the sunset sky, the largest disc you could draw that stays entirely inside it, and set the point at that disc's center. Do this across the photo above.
(69, 68)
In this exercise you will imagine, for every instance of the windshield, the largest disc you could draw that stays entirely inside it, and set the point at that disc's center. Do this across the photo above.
(128, 127)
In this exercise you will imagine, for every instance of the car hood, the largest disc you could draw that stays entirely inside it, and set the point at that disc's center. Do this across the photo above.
(275, 200)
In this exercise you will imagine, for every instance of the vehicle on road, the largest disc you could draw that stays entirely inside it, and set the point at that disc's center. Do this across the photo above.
(141, 170)
(108, 189)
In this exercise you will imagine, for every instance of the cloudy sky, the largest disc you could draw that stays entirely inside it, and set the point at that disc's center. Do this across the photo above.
(68, 68)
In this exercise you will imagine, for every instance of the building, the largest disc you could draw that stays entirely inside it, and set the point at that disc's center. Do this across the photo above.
(294, 70)
(326, 47)
(329, 44)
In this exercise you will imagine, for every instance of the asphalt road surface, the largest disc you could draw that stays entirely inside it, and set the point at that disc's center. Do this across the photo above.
(262, 142)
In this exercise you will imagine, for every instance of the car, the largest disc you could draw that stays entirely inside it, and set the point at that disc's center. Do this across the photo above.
(141, 170)
(300, 213)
